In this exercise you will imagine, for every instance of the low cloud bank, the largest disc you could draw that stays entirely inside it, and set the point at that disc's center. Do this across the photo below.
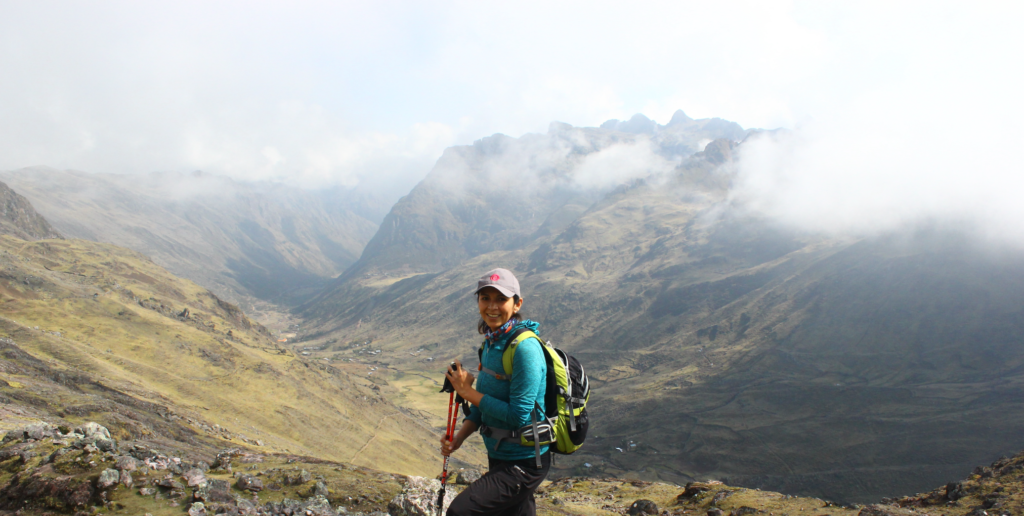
(922, 151)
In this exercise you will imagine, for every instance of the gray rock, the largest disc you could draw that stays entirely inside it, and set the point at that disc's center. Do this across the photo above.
(467, 476)
(108, 478)
(39, 430)
(194, 477)
(719, 496)
(126, 479)
(419, 498)
(127, 463)
(12, 435)
(320, 489)
(319, 506)
(744, 511)
(93, 431)
(885, 510)
(215, 491)
(147, 491)
(715, 512)
(170, 483)
(642, 507)
(249, 483)
(197, 509)
(955, 491)
(107, 445)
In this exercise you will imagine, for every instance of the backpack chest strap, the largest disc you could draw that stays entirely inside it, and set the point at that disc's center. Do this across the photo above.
(507, 355)
(496, 375)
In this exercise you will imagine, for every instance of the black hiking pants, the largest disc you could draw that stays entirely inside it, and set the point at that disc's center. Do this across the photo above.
(507, 489)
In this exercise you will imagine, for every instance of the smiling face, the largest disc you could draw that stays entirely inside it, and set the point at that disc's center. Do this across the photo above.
(496, 308)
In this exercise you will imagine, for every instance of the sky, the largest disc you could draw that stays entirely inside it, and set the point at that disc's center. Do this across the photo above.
(370, 93)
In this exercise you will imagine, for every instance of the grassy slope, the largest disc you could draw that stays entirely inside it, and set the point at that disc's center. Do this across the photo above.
(113, 315)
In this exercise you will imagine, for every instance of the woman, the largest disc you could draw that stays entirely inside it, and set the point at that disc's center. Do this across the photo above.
(501, 404)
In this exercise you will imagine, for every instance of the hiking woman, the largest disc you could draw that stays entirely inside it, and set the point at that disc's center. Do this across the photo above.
(501, 404)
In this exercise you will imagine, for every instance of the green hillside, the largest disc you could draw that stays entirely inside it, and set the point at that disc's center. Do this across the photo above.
(103, 334)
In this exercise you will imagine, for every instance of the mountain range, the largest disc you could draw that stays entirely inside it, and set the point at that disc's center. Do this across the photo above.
(720, 343)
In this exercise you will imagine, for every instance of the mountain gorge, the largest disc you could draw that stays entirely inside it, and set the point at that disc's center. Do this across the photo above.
(248, 242)
(720, 343)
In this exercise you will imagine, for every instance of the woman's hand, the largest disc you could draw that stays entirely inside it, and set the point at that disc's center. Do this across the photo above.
(447, 447)
(461, 379)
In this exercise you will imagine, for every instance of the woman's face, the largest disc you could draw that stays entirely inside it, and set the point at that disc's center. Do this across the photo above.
(495, 308)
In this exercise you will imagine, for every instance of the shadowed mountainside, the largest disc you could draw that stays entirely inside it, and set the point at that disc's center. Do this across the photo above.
(719, 344)
(245, 241)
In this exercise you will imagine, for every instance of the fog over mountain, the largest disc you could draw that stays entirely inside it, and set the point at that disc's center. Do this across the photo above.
(731, 330)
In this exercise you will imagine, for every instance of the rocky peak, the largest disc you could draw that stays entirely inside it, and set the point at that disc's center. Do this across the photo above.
(638, 124)
(679, 118)
(718, 151)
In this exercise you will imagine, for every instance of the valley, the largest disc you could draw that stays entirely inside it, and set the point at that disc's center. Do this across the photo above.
(720, 344)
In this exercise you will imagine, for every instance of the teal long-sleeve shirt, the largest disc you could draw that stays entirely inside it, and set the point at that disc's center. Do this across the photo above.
(507, 404)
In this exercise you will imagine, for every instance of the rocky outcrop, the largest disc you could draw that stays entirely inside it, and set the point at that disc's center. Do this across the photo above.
(19, 219)
(420, 498)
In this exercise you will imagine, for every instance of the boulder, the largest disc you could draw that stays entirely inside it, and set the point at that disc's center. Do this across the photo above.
(319, 506)
(107, 445)
(39, 430)
(297, 478)
(642, 507)
(419, 498)
(194, 477)
(249, 483)
(126, 479)
(955, 491)
(886, 510)
(170, 483)
(197, 509)
(693, 489)
(467, 476)
(215, 491)
(147, 491)
(719, 496)
(93, 431)
(715, 511)
(127, 463)
(320, 489)
(744, 511)
(108, 478)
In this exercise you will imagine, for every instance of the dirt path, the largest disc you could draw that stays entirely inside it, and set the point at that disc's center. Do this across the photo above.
(370, 440)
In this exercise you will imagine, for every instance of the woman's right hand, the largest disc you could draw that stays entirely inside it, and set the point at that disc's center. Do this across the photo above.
(447, 447)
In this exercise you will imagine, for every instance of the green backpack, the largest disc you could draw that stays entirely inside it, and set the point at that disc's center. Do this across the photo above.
(564, 425)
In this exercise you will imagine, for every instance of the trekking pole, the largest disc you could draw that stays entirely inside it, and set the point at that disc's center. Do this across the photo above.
(448, 434)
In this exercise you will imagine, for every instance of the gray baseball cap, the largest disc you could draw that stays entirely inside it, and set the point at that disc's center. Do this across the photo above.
(501, 279)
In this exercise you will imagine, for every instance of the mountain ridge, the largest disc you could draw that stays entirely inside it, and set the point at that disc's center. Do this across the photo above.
(248, 242)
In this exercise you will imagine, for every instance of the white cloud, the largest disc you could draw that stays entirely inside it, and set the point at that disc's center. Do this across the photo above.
(371, 92)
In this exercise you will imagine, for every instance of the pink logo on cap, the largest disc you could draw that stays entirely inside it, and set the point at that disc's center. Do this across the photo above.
(495, 277)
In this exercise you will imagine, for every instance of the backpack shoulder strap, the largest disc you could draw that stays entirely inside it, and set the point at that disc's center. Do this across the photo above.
(510, 351)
